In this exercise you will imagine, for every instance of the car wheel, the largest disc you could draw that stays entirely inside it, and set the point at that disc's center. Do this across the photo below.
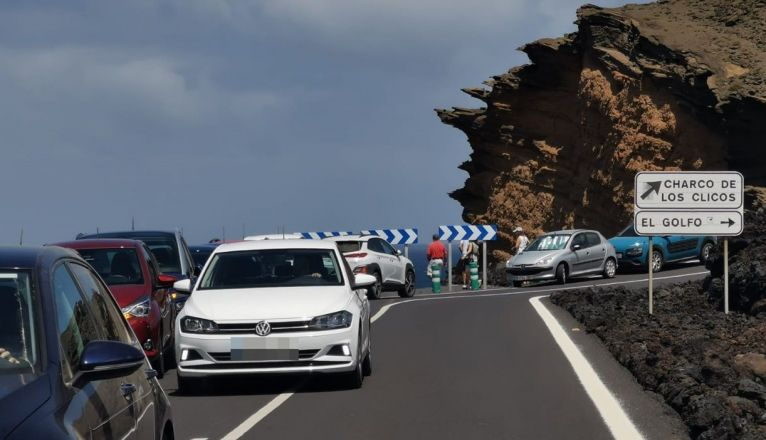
(561, 273)
(408, 290)
(355, 378)
(367, 363)
(610, 268)
(705, 252)
(518, 283)
(657, 260)
(373, 292)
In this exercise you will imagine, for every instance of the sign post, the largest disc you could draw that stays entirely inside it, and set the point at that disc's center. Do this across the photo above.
(689, 203)
(468, 232)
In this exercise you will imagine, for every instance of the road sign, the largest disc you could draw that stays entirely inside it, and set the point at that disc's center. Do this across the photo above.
(395, 236)
(720, 223)
(321, 235)
(468, 232)
(689, 190)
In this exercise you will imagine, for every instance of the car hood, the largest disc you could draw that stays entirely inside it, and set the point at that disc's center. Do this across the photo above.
(531, 257)
(127, 294)
(267, 303)
(20, 396)
(622, 243)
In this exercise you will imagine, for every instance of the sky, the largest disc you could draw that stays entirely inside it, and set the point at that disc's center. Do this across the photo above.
(224, 116)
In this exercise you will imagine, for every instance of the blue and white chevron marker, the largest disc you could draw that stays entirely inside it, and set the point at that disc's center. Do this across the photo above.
(468, 232)
(395, 236)
(321, 235)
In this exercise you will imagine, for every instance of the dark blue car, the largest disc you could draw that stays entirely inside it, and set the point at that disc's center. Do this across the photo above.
(633, 250)
(70, 367)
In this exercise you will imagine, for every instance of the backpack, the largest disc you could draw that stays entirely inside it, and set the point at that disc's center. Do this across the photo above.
(474, 249)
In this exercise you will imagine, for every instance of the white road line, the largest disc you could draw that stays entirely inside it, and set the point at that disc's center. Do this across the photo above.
(614, 416)
(251, 421)
(254, 419)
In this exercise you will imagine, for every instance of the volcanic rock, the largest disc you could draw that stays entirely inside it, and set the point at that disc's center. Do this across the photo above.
(673, 85)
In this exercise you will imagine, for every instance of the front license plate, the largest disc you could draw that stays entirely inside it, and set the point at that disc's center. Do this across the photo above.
(264, 355)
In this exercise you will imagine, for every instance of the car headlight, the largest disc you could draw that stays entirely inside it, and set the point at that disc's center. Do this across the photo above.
(634, 251)
(331, 321)
(138, 309)
(190, 324)
(544, 261)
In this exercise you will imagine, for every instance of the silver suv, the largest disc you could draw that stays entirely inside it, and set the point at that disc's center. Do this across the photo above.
(375, 256)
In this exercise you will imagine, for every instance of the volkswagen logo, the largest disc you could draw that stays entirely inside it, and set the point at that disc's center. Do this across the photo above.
(263, 328)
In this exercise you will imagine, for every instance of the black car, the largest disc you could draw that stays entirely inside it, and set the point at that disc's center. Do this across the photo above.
(200, 253)
(70, 367)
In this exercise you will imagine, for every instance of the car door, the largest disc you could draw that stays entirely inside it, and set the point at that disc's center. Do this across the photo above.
(162, 296)
(597, 251)
(95, 408)
(395, 261)
(579, 255)
(135, 387)
(378, 252)
(678, 247)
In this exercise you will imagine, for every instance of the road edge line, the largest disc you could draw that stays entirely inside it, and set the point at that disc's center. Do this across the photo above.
(618, 422)
(259, 415)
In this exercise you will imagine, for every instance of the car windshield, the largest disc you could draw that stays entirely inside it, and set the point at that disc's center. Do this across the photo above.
(630, 231)
(272, 268)
(116, 266)
(349, 246)
(19, 336)
(165, 250)
(550, 242)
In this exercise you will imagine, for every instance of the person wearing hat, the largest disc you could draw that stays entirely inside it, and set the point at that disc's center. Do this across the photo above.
(521, 239)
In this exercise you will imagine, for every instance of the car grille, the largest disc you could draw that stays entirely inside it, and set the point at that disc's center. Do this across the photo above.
(258, 365)
(226, 355)
(526, 270)
(249, 327)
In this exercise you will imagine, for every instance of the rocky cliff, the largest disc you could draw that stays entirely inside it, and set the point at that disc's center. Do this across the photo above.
(673, 85)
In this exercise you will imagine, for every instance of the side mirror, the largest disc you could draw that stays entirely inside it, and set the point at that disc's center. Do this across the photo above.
(165, 280)
(183, 285)
(364, 280)
(398, 252)
(576, 247)
(197, 270)
(110, 356)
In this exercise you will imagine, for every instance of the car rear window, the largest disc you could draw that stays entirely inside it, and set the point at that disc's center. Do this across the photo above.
(349, 246)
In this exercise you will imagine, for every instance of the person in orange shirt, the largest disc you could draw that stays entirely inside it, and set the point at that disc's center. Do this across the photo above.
(436, 253)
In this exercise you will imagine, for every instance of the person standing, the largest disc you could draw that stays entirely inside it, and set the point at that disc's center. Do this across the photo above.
(521, 239)
(468, 254)
(436, 253)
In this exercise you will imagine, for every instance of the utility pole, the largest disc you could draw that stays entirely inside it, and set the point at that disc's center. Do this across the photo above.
(133, 223)
(21, 237)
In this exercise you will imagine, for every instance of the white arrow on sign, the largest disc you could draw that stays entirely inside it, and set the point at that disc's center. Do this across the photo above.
(720, 223)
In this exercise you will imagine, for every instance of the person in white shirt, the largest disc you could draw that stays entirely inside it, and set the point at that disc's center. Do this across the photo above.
(467, 255)
(521, 239)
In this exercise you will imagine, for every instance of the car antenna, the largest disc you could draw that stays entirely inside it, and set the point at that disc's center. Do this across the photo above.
(21, 237)
(132, 223)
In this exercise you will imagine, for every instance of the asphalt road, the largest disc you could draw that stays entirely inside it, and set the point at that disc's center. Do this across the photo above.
(459, 365)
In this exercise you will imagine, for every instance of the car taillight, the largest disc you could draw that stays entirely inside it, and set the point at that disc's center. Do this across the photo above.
(357, 255)
(360, 269)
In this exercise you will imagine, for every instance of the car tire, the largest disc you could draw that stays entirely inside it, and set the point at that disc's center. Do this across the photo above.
(374, 291)
(610, 268)
(367, 362)
(354, 379)
(518, 283)
(705, 252)
(658, 260)
(408, 290)
(561, 273)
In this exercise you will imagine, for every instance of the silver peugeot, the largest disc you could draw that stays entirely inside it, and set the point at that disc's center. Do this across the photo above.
(561, 255)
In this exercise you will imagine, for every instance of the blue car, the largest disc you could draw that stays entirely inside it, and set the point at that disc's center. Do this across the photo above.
(632, 249)
(70, 366)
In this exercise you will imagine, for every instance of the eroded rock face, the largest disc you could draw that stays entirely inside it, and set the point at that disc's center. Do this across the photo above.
(676, 85)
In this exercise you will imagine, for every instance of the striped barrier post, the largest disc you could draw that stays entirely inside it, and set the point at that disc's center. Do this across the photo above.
(473, 271)
(436, 277)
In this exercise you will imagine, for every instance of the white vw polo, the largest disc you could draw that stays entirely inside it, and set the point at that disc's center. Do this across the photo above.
(274, 306)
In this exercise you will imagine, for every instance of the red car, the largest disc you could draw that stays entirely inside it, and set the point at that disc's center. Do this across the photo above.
(130, 270)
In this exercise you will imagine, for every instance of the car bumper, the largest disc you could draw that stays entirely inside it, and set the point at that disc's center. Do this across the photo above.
(145, 331)
(625, 260)
(530, 273)
(212, 355)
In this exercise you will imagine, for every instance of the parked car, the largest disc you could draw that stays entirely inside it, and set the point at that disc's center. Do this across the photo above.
(143, 293)
(561, 255)
(169, 248)
(70, 366)
(373, 255)
(274, 306)
(633, 250)
(200, 253)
